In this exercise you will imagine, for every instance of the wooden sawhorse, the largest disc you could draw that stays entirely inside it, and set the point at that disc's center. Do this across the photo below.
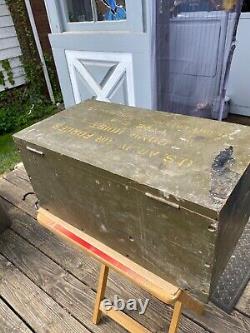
(156, 286)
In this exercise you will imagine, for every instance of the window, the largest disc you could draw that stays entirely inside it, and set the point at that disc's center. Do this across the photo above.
(97, 15)
(95, 10)
(246, 6)
(183, 6)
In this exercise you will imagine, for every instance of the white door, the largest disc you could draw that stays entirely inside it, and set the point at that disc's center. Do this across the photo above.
(102, 50)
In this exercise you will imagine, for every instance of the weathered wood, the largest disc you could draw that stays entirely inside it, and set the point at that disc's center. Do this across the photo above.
(100, 295)
(216, 320)
(161, 289)
(176, 317)
(17, 197)
(20, 172)
(244, 302)
(10, 322)
(85, 269)
(67, 291)
(33, 305)
(124, 320)
(164, 190)
(4, 219)
(76, 296)
(19, 178)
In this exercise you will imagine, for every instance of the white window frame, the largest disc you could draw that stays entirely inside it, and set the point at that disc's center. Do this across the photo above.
(133, 23)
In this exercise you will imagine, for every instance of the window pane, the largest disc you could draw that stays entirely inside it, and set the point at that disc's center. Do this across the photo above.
(183, 6)
(79, 10)
(96, 10)
(246, 6)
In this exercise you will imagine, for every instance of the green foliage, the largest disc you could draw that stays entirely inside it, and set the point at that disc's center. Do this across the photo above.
(31, 61)
(30, 58)
(9, 156)
(2, 81)
(15, 116)
(7, 68)
(25, 105)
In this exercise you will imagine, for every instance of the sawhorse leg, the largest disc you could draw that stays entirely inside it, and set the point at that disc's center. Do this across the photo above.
(102, 283)
(173, 328)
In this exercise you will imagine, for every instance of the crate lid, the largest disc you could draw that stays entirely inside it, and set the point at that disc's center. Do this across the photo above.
(191, 161)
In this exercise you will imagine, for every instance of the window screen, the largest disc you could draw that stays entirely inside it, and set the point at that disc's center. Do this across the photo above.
(96, 10)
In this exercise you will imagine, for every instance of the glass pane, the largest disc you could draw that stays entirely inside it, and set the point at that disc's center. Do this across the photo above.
(96, 10)
(183, 6)
(79, 11)
(246, 6)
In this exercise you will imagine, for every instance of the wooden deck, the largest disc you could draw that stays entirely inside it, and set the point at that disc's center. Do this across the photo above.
(47, 286)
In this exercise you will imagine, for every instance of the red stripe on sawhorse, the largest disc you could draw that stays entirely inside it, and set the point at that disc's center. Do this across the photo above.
(102, 255)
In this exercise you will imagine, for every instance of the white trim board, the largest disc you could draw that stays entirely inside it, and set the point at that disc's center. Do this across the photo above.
(123, 71)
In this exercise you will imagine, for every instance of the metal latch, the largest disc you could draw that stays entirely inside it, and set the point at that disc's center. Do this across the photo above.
(33, 150)
(169, 203)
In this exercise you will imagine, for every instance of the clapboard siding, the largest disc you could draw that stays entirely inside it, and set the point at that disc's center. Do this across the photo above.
(17, 72)
(6, 21)
(18, 82)
(6, 32)
(10, 48)
(10, 53)
(8, 43)
(15, 62)
(4, 11)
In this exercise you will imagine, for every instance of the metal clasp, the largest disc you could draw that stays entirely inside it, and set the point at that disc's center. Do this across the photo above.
(33, 150)
(169, 203)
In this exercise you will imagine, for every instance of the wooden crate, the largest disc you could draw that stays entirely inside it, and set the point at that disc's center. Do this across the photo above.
(170, 192)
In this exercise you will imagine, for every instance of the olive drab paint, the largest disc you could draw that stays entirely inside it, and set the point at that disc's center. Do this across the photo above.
(171, 192)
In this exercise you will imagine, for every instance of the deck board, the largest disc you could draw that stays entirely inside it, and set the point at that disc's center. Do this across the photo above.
(15, 196)
(243, 304)
(10, 322)
(71, 294)
(84, 269)
(19, 178)
(34, 305)
(68, 276)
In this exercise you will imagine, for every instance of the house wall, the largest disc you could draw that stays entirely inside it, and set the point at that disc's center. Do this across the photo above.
(10, 48)
(42, 23)
(239, 81)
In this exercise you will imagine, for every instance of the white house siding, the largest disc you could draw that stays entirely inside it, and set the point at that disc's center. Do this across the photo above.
(10, 48)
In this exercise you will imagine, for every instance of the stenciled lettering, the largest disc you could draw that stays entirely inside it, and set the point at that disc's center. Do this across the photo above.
(73, 131)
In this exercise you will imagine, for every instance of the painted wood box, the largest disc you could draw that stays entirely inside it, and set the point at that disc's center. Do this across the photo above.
(171, 192)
